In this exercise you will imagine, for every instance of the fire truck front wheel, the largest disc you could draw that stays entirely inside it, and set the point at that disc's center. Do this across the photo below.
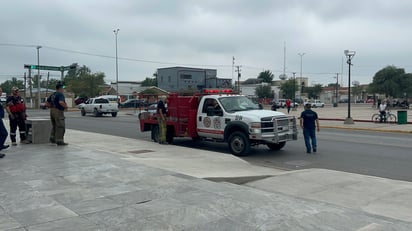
(239, 144)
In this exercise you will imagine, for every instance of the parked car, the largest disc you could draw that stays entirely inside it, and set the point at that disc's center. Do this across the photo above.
(133, 103)
(343, 100)
(317, 103)
(369, 100)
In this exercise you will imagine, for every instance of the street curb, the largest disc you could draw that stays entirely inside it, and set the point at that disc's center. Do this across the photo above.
(367, 129)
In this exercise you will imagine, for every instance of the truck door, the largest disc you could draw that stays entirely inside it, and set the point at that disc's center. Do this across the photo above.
(210, 122)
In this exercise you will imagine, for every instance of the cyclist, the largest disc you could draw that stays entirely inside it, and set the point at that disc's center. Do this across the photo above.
(382, 111)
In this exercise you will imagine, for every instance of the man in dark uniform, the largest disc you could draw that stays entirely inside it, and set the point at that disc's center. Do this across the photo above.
(307, 123)
(17, 116)
(57, 105)
(3, 131)
(161, 119)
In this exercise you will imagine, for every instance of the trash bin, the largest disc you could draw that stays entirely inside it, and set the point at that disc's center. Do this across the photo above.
(335, 104)
(402, 117)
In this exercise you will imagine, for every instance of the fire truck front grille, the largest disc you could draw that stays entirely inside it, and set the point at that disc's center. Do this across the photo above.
(274, 124)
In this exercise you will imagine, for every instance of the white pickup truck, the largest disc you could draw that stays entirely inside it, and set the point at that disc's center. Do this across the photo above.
(99, 106)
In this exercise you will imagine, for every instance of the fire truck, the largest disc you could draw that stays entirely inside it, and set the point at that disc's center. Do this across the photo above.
(220, 115)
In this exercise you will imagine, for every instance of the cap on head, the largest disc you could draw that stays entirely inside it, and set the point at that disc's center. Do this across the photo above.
(59, 86)
(14, 89)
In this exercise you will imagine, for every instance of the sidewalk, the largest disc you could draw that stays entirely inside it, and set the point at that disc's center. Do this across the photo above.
(102, 182)
(331, 117)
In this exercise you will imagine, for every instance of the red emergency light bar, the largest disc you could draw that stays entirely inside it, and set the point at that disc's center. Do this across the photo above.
(217, 91)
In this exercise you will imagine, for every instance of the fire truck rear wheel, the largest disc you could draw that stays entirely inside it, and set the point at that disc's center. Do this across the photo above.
(155, 133)
(239, 144)
(276, 146)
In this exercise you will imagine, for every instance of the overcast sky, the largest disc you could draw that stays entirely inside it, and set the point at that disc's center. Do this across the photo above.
(207, 34)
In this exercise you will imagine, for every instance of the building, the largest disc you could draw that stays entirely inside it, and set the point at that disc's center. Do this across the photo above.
(179, 79)
(127, 89)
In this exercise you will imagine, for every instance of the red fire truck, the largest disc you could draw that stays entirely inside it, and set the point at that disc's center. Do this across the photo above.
(220, 115)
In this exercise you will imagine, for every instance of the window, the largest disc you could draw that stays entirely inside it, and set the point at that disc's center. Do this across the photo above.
(169, 78)
(161, 78)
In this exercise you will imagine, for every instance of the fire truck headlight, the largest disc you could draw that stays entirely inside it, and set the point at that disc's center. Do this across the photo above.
(255, 127)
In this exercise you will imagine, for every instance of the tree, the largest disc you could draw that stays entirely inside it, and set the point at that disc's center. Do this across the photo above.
(82, 82)
(266, 76)
(388, 81)
(313, 92)
(264, 91)
(9, 84)
(149, 82)
(289, 88)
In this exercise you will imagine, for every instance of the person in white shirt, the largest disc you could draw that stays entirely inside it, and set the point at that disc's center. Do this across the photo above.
(382, 111)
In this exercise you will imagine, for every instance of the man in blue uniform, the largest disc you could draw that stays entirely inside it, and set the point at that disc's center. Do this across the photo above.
(57, 105)
(308, 118)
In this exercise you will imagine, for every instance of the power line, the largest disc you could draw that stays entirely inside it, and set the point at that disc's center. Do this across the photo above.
(112, 57)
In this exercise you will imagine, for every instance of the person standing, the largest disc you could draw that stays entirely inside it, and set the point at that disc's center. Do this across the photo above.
(382, 111)
(16, 109)
(58, 105)
(308, 118)
(3, 131)
(288, 104)
(161, 119)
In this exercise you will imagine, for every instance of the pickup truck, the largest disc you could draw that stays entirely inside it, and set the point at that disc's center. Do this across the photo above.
(98, 107)
(219, 115)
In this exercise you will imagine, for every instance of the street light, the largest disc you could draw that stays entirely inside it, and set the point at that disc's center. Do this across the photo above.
(117, 67)
(349, 55)
(38, 75)
(294, 91)
(336, 90)
(301, 59)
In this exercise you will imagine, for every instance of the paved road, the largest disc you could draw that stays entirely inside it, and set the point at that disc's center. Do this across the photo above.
(379, 154)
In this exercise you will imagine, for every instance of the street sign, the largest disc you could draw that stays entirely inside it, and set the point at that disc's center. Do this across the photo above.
(50, 68)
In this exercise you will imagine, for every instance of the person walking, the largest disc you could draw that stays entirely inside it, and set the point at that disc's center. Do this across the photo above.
(288, 104)
(57, 105)
(308, 118)
(16, 109)
(3, 130)
(161, 119)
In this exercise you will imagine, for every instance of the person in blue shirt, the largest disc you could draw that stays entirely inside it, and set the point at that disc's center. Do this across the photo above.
(57, 106)
(3, 131)
(309, 122)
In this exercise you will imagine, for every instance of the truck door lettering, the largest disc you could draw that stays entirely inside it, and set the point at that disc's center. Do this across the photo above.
(207, 122)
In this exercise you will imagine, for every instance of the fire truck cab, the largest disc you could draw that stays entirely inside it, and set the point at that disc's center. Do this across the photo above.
(220, 115)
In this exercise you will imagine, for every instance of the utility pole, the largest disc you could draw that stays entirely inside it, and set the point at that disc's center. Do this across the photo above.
(31, 89)
(25, 88)
(337, 89)
(38, 76)
(238, 70)
(233, 66)
(294, 91)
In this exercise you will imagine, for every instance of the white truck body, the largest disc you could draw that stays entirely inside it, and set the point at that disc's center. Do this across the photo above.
(99, 106)
(236, 115)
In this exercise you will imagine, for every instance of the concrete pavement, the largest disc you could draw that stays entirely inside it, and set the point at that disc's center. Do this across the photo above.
(102, 182)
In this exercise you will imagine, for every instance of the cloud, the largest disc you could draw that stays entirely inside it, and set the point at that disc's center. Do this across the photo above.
(208, 34)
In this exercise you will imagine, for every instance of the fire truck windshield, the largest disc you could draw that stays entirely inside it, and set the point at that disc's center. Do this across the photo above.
(237, 103)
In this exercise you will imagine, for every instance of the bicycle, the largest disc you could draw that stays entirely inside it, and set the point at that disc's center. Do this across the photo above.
(388, 118)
